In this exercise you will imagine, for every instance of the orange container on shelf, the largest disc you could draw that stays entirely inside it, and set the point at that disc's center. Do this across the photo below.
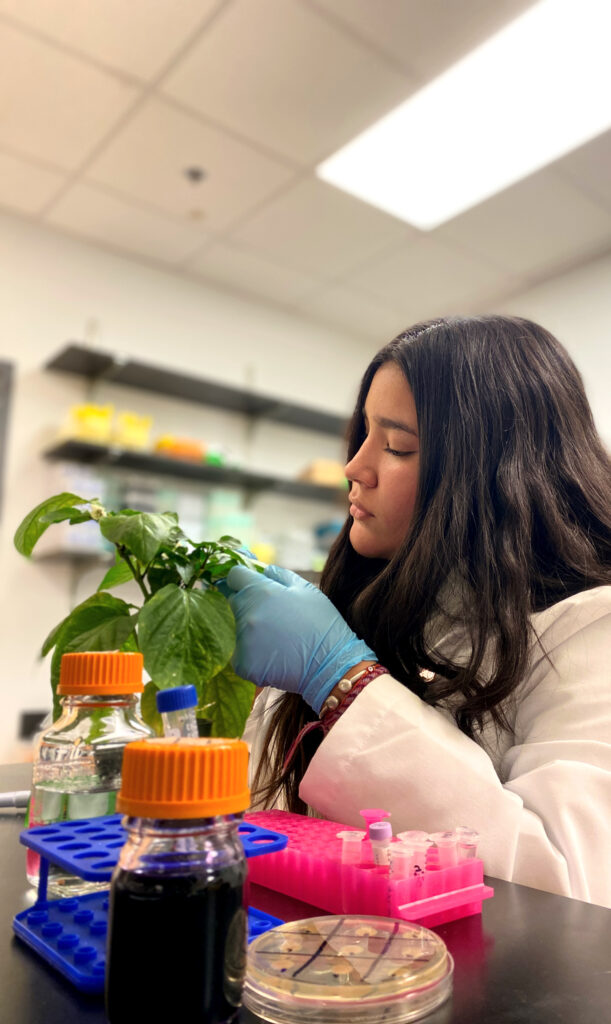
(180, 447)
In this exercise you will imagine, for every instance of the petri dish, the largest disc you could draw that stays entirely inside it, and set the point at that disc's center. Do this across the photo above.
(352, 969)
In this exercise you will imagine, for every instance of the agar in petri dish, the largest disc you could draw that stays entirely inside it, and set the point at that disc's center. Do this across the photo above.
(353, 969)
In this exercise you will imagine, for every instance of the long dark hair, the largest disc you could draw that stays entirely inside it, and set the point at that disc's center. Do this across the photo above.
(513, 514)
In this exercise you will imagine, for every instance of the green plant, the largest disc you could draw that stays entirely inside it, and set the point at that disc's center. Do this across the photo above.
(184, 626)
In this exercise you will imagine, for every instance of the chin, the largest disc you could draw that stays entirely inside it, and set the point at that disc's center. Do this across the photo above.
(368, 547)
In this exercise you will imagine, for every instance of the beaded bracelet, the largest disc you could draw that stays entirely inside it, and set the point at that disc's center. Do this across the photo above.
(358, 683)
(344, 686)
(329, 717)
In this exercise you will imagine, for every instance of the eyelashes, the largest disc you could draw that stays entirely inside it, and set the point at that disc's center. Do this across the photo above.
(393, 451)
(396, 452)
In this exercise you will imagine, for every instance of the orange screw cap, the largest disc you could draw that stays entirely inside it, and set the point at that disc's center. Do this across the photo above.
(182, 778)
(104, 672)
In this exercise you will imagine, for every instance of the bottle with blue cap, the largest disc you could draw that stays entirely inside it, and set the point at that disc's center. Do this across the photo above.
(176, 706)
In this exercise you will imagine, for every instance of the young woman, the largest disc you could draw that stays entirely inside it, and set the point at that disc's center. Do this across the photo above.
(475, 566)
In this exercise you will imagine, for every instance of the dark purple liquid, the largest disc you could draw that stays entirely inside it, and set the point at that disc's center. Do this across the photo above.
(176, 947)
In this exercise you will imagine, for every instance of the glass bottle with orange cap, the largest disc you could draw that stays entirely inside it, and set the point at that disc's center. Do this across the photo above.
(77, 761)
(177, 917)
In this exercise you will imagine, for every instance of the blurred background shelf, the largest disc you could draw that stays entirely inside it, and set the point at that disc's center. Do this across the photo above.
(227, 476)
(96, 365)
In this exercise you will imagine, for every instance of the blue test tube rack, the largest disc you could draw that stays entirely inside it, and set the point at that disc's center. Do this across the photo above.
(70, 933)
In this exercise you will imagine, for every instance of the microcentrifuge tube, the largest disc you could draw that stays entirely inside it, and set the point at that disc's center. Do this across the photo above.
(446, 848)
(419, 842)
(402, 860)
(176, 706)
(371, 814)
(467, 840)
(380, 835)
(352, 846)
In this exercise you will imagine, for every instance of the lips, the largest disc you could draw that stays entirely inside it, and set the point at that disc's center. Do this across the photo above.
(358, 512)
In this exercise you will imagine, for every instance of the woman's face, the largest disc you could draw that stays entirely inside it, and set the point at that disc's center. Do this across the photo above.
(384, 472)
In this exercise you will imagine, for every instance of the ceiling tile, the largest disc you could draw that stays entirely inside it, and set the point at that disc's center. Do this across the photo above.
(316, 228)
(246, 271)
(26, 186)
(426, 278)
(147, 159)
(589, 167)
(283, 76)
(352, 311)
(137, 38)
(539, 225)
(424, 36)
(297, 78)
(85, 210)
(61, 105)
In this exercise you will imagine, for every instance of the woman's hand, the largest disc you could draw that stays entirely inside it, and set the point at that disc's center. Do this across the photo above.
(290, 635)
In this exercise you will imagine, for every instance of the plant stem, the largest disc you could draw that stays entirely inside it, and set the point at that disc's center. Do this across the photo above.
(198, 575)
(137, 576)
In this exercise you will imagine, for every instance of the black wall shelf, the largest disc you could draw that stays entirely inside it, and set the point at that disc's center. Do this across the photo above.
(101, 366)
(225, 476)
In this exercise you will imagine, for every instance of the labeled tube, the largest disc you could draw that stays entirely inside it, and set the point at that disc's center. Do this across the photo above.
(402, 860)
(380, 835)
(418, 842)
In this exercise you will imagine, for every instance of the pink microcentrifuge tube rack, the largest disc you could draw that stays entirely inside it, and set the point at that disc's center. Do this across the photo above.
(311, 869)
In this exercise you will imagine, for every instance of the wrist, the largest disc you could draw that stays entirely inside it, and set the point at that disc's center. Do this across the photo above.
(325, 674)
(356, 679)
(344, 685)
(352, 672)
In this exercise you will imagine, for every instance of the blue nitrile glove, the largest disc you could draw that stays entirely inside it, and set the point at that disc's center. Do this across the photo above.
(290, 635)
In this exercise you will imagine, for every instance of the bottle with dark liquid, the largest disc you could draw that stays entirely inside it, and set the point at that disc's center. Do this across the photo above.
(177, 919)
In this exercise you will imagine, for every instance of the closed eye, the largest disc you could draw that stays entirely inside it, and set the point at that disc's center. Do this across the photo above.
(394, 451)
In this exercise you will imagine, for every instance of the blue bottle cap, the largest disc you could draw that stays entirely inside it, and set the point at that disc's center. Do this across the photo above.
(176, 698)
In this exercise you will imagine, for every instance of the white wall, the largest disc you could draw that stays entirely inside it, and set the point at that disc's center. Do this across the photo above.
(576, 307)
(52, 290)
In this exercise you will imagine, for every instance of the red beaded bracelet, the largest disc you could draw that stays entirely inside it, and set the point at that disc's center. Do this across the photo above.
(331, 716)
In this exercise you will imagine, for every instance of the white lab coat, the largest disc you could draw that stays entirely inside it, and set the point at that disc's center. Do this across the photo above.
(539, 794)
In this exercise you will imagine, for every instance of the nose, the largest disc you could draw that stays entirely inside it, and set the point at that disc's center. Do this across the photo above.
(360, 469)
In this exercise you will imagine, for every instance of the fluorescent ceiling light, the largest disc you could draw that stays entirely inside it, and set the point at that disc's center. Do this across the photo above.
(528, 95)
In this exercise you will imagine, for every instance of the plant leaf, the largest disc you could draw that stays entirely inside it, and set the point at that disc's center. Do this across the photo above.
(185, 572)
(148, 708)
(31, 529)
(131, 643)
(74, 515)
(102, 619)
(159, 576)
(80, 517)
(231, 698)
(186, 636)
(118, 573)
(107, 635)
(52, 638)
(143, 533)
